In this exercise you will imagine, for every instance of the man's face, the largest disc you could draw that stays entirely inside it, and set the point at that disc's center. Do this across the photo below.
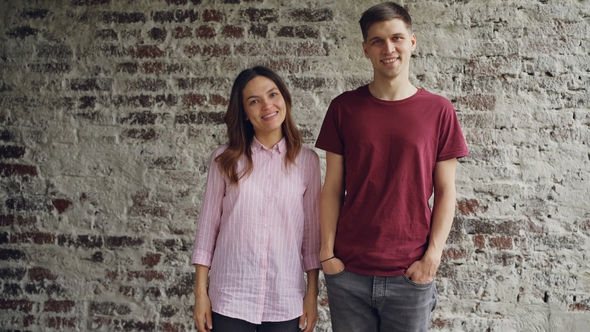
(389, 46)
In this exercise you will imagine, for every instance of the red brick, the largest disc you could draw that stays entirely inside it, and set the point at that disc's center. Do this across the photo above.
(216, 50)
(29, 320)
(259, 30)
(490, 227)
(149, 275)
(468, 206)
(146, 84)
(146, 51)
(173, 327)
(500, 242)
(154, 211)
(312, 15)
(17, 170)
(479, 241)
(40, 274)
(11, 151)
(61, 205)
(128, 291)
(454, 254)
(11, 254)
(182, 32)
(99, 322)
(35, 237)
(84, 241)
(152, 67)
(140, 118)
(108, 308)
(114, 242)
(150, 260)
(144, 134)
(257, 15)
(17, 305)
(308, 83)
(193, 99)
(179, 16)
(22, 32)
(61, 322)
(64, 306)
(232, 31)
(212, 15)
(205, 32)
(218, 100)
(12, 220)
(107, 34)
(158, 34)
(299, 32)
(439, 323)
(168, 311)
(123, 18)
(91, 84)
(579, 307)
(35, 13)
(112, 274)
(193, 50)
(6, 135)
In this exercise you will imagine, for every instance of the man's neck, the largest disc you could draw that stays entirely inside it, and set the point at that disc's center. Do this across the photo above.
(392, 89)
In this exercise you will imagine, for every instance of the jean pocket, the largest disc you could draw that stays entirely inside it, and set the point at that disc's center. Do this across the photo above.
(334, 275)
(415, 284)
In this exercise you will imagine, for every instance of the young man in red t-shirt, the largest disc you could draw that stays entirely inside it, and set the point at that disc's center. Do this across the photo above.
(389, 146)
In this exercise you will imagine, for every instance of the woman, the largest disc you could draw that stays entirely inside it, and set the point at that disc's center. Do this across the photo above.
(259, 224)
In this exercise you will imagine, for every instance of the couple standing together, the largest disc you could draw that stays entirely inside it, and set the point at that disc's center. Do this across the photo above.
(264, 220)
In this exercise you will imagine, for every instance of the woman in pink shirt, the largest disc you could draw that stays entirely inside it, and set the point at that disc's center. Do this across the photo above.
(259, 224)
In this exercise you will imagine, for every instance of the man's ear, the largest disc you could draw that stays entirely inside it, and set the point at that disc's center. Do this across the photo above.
(365, 49)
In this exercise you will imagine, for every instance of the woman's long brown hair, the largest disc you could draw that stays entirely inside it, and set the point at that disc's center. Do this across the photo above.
(241, 132)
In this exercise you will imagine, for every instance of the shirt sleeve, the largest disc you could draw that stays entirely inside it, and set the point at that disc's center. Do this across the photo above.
(330, 138)
(310, 248)
(210, 216)
(451, 142)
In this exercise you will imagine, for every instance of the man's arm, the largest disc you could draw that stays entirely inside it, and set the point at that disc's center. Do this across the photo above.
(443, 212)
(331, 202)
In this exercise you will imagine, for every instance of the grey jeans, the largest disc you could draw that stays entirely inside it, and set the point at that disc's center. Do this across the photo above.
(361, 303)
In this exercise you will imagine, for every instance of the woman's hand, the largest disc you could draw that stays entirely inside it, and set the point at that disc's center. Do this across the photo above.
(333, 266)
(202, 314)
(310, 312)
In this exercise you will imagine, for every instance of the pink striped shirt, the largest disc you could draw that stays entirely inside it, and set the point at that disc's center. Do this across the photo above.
(259, 237)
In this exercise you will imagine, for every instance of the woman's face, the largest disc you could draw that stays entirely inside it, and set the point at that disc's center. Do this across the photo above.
(265, 108)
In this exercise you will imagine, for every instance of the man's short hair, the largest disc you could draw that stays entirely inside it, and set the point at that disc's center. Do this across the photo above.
(384, 12)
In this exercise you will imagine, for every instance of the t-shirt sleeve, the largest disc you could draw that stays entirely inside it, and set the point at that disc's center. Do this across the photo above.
(451, 142)
(330, 137)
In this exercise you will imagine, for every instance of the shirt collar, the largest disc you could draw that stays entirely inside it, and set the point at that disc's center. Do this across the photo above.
(279, 148)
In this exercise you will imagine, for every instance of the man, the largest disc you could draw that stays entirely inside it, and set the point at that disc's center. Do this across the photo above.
(389, 146)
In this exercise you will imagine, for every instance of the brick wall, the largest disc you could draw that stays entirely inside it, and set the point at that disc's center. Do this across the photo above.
(109, 110)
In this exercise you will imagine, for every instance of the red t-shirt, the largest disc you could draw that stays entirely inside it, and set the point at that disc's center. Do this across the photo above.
(390, 149)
